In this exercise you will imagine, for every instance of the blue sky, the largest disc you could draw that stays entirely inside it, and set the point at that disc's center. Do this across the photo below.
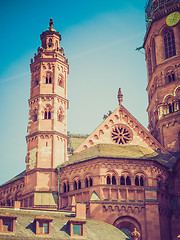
(99, 39)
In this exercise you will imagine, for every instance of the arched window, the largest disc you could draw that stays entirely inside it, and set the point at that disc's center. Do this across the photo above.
(153, 54)
(8, 201)
(137, 181)
(48, 78)
(45, 115)
(47, 112)
(49, 115)
(179, 103)
(108, 180)
(64, 187)
(171, 107)
(113, 180)
(170, 77)
(86, 182)
(122, 180)
(75, 185)
(128, 180)
(67, 186)
(149, 63)
(79, 184)
(169, 44)
(141, 181)
(50, 44)
(90, 182)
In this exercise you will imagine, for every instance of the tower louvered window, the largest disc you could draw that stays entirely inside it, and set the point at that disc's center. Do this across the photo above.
(169, 44)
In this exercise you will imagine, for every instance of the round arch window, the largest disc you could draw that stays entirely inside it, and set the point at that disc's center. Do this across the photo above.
(121, 134)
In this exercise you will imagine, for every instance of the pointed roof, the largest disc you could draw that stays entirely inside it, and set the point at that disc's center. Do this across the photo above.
(121, 128)
(94, 197)
(51, 31)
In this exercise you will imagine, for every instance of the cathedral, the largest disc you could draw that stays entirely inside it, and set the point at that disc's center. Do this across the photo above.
(120, 182)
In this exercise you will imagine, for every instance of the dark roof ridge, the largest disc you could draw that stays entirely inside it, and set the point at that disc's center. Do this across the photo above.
(17, 177)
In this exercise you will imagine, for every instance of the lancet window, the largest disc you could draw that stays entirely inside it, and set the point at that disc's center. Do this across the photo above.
(111, 180)
(79, 184)
(122, 180)
(47, 112)
(170, 77)
(153, 54)
(108, 180)
(169, 44)
(48, 78)
(75, 185)
(149, 63)
(88, 182)
(65, 187)
(50, 43)
(128, 180)
(139, 181)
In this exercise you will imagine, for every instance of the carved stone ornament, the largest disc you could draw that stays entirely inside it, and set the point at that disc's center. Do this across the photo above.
(121, 134)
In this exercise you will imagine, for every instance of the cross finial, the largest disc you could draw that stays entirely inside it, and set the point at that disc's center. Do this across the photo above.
(120, 96)
(51, 23)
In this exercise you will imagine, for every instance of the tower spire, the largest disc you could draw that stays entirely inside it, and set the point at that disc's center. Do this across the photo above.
(120, 97)
(47, 134)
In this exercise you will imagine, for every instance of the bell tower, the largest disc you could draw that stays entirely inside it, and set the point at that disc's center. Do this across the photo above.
(47, 133)
(162, 52)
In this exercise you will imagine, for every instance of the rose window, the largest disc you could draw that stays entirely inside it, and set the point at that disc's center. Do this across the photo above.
(121, 134)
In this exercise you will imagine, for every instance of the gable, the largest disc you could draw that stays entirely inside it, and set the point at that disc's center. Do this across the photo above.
(121, 128)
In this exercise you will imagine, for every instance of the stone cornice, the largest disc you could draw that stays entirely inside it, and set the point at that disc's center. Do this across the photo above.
(39, 170)
(57, 57)
(47, 133)
(107, 160)
(53, 95)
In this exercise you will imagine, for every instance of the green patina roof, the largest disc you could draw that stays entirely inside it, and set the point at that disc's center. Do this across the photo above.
(122, 152)
(25, 226)
(51, 29)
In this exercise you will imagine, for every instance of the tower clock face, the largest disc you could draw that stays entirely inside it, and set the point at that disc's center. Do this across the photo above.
(172, 19)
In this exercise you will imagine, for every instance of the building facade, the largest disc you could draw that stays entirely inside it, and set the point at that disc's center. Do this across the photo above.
(162, 50)
(125, 175)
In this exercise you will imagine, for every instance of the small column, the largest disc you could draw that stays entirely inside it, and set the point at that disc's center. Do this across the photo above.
(73, 204)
